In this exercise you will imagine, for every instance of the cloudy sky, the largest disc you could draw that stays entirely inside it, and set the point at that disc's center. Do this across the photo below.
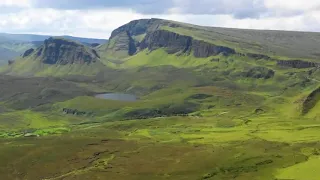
(97, 18)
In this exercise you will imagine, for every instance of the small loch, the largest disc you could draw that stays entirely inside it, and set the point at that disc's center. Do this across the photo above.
(117, 96)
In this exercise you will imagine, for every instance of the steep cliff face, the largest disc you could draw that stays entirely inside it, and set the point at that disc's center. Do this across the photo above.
(61, 51)
(138, 27)
(28, 52)
(297, 64)
(205, 49)
(171, 41)
(258, 56)
(125, 40)
(312, 99)
(120, 46)
(147, 33)
(174, 43)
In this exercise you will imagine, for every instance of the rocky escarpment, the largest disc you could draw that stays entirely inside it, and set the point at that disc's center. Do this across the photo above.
(312, 99)
(297, 64)
(138, 27)
(174, 43)
(76, 112)
(171, 41)
(258, 56)
(28, 52)
(122, 45)
(205, 49)
(146, 33)
(62, 51)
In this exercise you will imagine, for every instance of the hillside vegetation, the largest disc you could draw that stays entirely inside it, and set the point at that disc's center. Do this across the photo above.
(212, 103)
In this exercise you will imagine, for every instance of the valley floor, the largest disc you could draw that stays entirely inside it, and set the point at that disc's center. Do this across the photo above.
(182, 127)
(219, 147)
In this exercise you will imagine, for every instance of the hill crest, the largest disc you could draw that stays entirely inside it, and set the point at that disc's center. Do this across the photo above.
(62, 51)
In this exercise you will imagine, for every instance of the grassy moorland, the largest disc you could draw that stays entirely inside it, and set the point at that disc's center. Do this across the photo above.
(229, 133)
(210, 118)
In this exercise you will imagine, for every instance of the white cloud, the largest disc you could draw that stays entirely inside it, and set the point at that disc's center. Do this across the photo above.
(87, 23)
(292, 4)
(15, 3)
(100, 22)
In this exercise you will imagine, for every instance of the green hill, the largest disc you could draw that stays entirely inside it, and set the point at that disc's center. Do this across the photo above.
(273, 43)
(13, 45)
(56, 57)
(211, 103)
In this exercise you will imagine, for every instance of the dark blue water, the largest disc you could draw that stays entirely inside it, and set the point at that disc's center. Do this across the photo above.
(117, 96)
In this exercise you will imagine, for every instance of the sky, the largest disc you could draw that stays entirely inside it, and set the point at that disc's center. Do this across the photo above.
(97, 18)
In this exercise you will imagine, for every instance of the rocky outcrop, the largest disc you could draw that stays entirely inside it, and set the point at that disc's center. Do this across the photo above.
(174, 43)
(297, 64)
(258, 56)
(123, 42)
(10, 62)
(312, 99)
(62, 51)
(259, 73)
(171, 41)
(138, 27)
(165, 111)
(119, 46)
(204, 49)
(200, 96)
(156, 38)
(28, 52)
(75, 112)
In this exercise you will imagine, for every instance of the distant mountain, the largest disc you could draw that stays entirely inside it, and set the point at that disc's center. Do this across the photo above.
(57, 56)
(62, 51)
(164, 33)
(13, 45)
(4, 37)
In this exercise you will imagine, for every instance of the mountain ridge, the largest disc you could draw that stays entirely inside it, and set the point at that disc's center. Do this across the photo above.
(301, 45)
(13, 45)
(127, 42)
(36, 37)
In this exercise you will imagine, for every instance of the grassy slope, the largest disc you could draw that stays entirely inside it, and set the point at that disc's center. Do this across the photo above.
(283, 44)
(25, 67)
(244, 128)
(224, 139)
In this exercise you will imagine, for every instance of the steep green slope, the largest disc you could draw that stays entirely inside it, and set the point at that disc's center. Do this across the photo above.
(10, 50)
(290, 49)
(119, 46)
